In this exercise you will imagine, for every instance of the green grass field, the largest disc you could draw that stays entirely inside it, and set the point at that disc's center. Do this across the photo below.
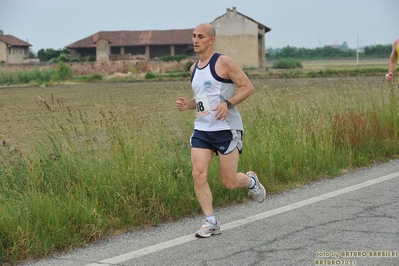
(79, 162)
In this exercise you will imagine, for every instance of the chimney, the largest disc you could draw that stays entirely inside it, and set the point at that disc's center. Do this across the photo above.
(1, 33)
(228, 12)
(234, 11)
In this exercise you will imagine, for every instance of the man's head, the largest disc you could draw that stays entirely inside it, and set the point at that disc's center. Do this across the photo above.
(204, 35)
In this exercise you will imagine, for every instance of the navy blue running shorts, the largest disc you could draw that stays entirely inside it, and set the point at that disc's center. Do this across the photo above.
(224, 141)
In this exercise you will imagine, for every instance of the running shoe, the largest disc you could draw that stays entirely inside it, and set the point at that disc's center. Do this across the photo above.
(207, 229)
(258, 192)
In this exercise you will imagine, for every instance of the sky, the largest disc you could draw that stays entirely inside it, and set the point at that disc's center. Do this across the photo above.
(55, 24)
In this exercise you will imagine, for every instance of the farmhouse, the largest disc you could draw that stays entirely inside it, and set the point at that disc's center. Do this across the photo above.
(241, 38)
(125, 45)
(238, 36)
(12, 49)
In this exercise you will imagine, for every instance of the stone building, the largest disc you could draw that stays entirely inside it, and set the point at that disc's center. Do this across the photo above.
(238, 36)
(12, 49)
(241, 38)
(126, 45)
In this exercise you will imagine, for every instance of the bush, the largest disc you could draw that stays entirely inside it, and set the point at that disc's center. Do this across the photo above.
(149, 75)
(61, 58)
(64, 71)
(89, 78)
(287, 63)
(178, 58)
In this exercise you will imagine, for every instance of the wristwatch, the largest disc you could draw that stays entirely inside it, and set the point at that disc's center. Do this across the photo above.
(229, 104)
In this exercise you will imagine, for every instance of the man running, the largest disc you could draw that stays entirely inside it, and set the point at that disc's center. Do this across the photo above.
(218, 125)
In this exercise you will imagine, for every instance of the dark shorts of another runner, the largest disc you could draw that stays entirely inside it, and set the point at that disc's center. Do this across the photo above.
(224, 141)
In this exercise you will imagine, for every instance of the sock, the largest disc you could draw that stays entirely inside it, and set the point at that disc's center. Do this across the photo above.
(252, 183)
(211, 218)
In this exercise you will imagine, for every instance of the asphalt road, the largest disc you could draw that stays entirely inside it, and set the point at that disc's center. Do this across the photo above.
(348, 220)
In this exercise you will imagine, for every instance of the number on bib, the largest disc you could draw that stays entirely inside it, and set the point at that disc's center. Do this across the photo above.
(202, 105)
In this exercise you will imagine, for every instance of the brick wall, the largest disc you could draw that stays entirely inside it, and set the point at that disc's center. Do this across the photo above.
(105, 68)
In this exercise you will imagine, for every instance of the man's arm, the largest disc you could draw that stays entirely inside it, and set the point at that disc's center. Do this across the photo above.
(229, 69)
(393, 59)
(183, 104)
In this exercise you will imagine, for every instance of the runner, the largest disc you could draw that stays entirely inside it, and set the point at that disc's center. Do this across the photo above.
(218, 126)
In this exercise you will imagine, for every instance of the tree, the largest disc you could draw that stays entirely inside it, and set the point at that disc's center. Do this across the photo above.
(378, 50)
(344, 46)
(46, 55)
(288, 52)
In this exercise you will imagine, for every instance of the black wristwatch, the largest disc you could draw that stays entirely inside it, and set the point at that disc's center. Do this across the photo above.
(229, 104)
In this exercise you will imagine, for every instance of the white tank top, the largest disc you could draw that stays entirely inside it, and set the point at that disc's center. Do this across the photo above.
(209, 91)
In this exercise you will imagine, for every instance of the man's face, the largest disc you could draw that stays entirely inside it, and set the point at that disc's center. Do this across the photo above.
(201, 39)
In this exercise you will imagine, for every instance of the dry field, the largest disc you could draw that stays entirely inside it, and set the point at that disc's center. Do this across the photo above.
(23, 116)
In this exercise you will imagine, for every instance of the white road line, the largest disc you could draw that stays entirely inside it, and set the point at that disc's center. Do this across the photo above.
(247, 220)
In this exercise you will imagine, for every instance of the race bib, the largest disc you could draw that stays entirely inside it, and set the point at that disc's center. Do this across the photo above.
(202, 105)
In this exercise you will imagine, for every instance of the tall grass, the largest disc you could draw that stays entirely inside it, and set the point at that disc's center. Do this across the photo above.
(92, 174)
(36, 76)
(300, 134)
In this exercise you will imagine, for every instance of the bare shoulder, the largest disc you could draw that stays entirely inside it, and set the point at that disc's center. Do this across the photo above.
(227, 66)
(227, 61)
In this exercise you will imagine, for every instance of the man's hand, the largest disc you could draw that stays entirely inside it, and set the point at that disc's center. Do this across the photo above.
(389, 77)
(221, 111)
(182, 104)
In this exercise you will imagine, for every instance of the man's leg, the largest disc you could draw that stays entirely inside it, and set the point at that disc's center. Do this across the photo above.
(228, 170)
(231, 179)
(200, 159)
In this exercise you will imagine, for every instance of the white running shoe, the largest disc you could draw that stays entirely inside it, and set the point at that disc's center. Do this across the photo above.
(258, 191)
(207, 229)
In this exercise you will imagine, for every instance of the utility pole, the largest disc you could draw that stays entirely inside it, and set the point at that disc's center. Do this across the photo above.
(357, 50)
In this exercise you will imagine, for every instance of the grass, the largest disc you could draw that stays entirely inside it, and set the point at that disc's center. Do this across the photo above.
(90, 160)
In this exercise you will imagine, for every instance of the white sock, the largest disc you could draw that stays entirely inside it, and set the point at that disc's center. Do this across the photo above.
(252, 183)
(211, 218)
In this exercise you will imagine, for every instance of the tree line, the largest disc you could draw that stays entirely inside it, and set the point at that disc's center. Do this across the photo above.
(328, 52)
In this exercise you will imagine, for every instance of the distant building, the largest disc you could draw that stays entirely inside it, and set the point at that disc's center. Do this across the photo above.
(12, 49)
(125, 45)
(241, 38)
(238, 36)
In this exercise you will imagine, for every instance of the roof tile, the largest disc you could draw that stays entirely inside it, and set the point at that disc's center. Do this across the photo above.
(13, 41)
(136, 38)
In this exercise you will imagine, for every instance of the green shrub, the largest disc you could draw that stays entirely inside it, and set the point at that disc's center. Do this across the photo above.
(89, 78)
(178, 58)
(287, 63)
(61, 58)
(150, 75)
(64, 71)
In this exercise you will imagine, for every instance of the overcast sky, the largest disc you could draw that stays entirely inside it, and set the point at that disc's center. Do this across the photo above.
(301, 23)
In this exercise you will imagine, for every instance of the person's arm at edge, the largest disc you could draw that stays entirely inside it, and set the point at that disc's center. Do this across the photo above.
(393, 59)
